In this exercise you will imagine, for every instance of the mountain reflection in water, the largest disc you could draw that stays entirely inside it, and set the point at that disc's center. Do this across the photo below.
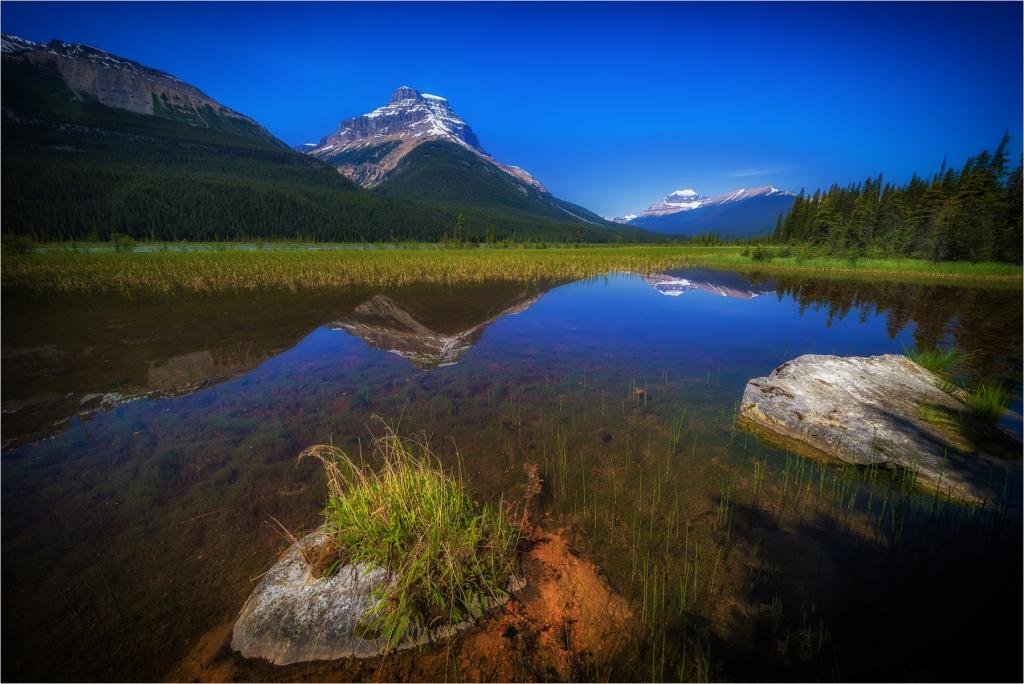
(384, 323)
(714, 282)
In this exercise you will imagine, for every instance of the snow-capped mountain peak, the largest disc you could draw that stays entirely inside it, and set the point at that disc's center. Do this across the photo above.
(679, 200)
(747, 193)
(367, 148)
(688, 199)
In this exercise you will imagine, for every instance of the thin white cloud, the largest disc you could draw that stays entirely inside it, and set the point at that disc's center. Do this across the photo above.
(756, 171)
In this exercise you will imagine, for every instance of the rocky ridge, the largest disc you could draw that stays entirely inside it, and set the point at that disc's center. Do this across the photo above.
(121, 83)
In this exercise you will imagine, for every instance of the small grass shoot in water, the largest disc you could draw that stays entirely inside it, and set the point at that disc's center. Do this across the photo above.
(450, 558)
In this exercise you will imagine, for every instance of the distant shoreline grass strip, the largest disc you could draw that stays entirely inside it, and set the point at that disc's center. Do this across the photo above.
(315, 269)
(450, 558)
(895, 268)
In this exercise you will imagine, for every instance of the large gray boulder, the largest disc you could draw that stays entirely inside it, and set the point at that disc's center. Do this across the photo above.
(868, 410)
(294, 617)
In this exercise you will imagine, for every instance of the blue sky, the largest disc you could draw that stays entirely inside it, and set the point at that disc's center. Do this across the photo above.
(610, 105)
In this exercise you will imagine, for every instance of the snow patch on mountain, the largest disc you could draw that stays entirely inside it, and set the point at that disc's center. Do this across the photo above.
(11, 44)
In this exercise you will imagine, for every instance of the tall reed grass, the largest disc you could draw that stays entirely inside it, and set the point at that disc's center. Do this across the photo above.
(167, 272)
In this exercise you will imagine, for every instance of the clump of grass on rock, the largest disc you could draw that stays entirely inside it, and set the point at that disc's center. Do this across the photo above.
(450, 558)
(986, 402)
(938, 361)
(983, 404)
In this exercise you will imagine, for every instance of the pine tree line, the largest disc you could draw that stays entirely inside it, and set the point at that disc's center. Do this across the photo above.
(970, 214)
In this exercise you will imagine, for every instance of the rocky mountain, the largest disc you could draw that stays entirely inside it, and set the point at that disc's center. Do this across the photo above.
(367, 148)
(91, 73)
(740, 213)
(622, 219)
(416, 146)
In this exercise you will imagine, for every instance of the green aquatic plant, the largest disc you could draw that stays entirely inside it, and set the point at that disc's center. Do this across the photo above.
(939, 361)
(986, 402)
(450, 558)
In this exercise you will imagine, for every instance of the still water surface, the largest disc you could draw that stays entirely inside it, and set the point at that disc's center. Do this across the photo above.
(148, 442)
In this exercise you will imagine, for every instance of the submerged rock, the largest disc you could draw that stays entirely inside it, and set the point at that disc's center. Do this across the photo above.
(294, 617)
(870, 410)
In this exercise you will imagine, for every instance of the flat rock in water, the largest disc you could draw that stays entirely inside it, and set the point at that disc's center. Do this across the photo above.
(868, 410)
(294, 617)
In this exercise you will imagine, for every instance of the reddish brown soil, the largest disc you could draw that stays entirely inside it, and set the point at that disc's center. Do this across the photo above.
(567, 622)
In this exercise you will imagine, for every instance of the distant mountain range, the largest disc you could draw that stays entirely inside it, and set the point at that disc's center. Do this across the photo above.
(95, 143)
(740, 213)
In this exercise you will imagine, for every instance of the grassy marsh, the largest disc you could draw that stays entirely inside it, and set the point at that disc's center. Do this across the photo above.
(221, 270)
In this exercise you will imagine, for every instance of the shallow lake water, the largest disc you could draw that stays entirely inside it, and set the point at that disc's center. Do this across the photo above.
(148, 442)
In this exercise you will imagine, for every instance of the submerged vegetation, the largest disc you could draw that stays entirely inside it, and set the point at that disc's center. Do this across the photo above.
(450, 558)
(223, 269)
